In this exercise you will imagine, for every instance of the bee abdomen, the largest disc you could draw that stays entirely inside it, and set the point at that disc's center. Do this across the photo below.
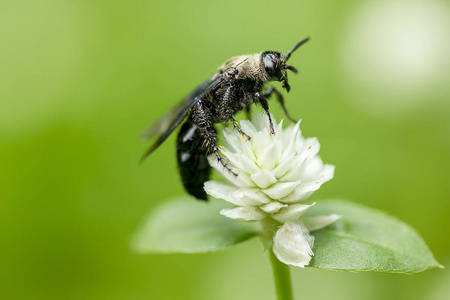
(192, 161)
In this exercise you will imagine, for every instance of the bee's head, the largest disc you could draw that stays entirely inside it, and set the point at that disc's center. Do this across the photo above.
(275, 64)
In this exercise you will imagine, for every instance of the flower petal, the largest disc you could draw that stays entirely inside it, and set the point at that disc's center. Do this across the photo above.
(312, 167)
(242, 180)
(261, 121)
(250, 196)
(240, 161)
(319, 222)
(247, 149)
(260, 141)
(325, 175)
(233, 158)
(291, 139)
(292, 244)
(270, 155)
(280, 189)
(247, 213)
(291, 213)
(297, 169)
(213, 162)
(232, 139)
(304, 190)
(296, 196)
(248, 164)
(273, 207)
(248, 127)
(263, 178)
(283, 166)
(222, 191)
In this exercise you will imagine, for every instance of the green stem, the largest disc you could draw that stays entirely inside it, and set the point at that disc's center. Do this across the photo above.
(282, 278)
(281, 274)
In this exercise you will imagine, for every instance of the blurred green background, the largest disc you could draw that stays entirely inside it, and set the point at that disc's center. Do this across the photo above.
(79, 80)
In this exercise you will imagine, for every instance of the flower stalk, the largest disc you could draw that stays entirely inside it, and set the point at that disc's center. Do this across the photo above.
(282, 278)
(281, 272)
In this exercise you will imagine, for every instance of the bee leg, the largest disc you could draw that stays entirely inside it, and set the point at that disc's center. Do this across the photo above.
(227, 112)
(216, 153)
(248, 112)
(280, 99)
(265, 106)
(202, 117)
(235, 125)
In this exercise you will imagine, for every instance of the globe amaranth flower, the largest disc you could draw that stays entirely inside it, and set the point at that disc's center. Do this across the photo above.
(276, 172)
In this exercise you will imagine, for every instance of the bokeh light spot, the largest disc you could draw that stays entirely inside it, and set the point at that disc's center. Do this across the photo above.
(396, 53)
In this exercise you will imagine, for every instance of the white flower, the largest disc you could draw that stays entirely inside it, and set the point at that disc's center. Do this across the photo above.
(275, 173)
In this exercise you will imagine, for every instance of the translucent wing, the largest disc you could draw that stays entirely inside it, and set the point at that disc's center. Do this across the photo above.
(167, 124)
(163, 124)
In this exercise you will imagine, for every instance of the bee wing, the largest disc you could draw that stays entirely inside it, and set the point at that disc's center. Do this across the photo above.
(163, 124)
(167, 124)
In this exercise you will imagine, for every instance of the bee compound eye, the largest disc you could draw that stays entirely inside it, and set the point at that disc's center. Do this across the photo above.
(269, 62)
(272, 64)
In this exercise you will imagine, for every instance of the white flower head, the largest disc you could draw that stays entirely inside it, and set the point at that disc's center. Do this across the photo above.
(276, 172)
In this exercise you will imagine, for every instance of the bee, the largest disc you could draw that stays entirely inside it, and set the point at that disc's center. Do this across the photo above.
(237, 84)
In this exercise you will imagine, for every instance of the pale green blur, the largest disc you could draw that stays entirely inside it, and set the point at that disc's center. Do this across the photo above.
(79, 80)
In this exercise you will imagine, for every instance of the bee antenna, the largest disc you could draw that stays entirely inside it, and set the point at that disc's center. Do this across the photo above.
(296, 47)
(292, 69)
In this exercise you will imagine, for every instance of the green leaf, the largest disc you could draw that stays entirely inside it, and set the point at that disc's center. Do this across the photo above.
(186, 225)
(367, 240)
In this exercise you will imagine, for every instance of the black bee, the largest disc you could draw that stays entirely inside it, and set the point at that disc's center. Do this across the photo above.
(238, 83)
